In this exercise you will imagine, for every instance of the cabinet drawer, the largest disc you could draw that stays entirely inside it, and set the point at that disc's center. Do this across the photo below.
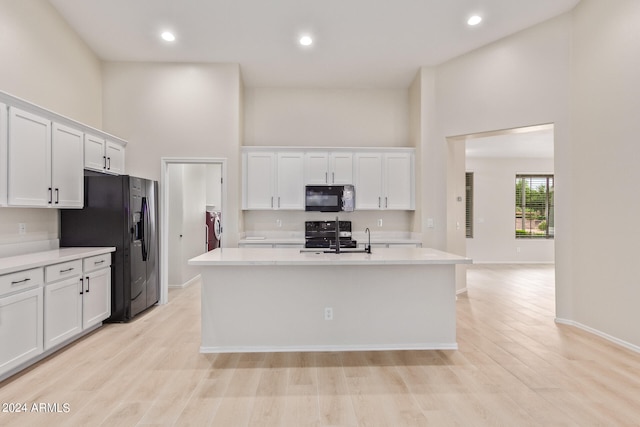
(63, 270)
(96, 262)
(21, 280)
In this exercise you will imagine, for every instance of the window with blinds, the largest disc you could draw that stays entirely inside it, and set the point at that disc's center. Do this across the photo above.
(534, 206)
(468, 182)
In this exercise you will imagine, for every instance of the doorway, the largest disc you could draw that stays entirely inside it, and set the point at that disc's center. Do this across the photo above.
(190, 187)
(495, 164)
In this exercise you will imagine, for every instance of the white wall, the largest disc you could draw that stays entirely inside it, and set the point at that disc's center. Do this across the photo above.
(605, 127)
(175, 209)
(493, 206)
(194, 199)
(214, 187)
(187, 199)
(326, 117)
(177, 110)
(518, 81)
(45, 62)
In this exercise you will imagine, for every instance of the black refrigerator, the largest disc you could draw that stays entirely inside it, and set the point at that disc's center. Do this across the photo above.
(120, 211)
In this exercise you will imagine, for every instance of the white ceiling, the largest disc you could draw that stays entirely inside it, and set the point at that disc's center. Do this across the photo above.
(359, 43)
(533, 142)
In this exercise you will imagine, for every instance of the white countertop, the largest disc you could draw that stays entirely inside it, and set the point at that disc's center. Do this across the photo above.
(296, 238)
(286, 256)
(55, 256)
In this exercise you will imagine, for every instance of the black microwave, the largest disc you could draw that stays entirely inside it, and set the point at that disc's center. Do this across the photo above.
(330, 198)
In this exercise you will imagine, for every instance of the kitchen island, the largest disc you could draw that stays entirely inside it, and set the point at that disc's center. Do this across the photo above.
(256, 300)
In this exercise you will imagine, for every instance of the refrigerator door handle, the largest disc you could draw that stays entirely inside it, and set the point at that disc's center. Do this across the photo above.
(143, 231)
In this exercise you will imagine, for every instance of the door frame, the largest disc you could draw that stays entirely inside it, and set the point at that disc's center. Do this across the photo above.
(164, 210)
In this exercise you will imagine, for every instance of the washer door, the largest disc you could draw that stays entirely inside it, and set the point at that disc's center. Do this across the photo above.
(217, 229)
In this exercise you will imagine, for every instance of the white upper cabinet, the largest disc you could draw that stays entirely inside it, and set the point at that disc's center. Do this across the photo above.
(274, 177)
(45, 162)
(115, 158)
(67, 176)
(368, 180)
(385, 180)
(3, 154)
(328, 168)
(398, 181)
(273, 180)
(29, 142)
(259, 180)
(43, 156)
(316, 168)
(94, 152)
(290, 181)
(103, 155)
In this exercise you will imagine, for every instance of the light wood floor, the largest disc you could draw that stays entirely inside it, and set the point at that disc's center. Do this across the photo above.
(515, 367)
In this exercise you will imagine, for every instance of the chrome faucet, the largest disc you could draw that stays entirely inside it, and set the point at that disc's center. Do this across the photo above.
(367, 247)
(337, 235)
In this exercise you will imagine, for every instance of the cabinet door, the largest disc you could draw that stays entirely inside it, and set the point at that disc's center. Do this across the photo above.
(368, 180)
(316, 168)
(96, 298)
(398, 182)
(29, 142)
(259, 181)
(3, 153)
(21, 328)
(341, 168)
(67, 160)
(62, 311)
(114, 158)
(94, 153)
(290, 181)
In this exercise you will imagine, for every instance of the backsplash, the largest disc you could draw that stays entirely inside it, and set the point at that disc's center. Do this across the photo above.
(40, 231)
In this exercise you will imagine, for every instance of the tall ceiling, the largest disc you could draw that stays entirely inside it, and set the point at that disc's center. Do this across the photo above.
(357, 43)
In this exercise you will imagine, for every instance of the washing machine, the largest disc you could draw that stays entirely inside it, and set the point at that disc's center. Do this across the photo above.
(214, 230)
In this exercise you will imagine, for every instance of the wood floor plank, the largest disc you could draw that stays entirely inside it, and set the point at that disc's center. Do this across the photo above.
(514, 367)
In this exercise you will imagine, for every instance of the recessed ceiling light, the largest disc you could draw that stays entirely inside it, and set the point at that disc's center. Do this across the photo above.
(306, 41)
(168, 36)
(474, 20)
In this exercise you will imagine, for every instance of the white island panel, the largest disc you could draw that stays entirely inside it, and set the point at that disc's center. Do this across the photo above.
(256, 300)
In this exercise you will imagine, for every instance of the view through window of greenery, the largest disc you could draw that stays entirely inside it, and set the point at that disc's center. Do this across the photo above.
(534, 206)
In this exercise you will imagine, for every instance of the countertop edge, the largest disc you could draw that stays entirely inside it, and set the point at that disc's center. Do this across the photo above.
(54, 256)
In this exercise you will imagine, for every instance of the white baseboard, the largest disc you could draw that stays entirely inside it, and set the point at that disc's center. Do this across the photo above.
(513, 262)
(330, 348)
(187, 283)
(461, 291)
(601, 334)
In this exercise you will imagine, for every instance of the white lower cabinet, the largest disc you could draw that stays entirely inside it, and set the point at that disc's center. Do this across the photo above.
(77, 302)
(62, 311)
(96, 297)
(21, 327)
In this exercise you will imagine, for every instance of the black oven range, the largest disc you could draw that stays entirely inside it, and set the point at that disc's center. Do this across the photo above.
(322, 234)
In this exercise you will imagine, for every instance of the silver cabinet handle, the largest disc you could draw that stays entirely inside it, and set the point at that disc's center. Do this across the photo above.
(333, 177)
(67, 270)
(386, 202)
(326, 177)
(379, 202)
(17, 282)
(271, 202)
(98, 262)
(278, 201)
